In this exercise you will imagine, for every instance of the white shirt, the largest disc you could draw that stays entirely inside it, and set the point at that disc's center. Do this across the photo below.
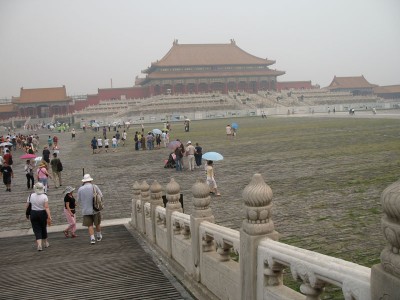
(99, 142)
(114, 141)
(106, 142)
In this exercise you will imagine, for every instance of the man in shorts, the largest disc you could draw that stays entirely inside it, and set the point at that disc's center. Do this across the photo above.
(91, 217)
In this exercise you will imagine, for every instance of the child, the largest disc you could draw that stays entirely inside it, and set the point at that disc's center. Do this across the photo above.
(69, 212)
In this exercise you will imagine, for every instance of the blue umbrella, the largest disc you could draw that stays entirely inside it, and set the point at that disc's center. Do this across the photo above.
(214, 156)
(235, 125)
(157, 131)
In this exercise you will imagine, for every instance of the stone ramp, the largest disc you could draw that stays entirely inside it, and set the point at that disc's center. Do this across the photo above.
(118, 267)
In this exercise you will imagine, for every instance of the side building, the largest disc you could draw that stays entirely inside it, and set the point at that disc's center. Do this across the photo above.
(206, 68)
(356, 85)
(42, 102)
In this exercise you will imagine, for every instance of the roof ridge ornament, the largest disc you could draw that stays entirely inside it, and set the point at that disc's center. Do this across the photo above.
(233, 42)
(175, 42)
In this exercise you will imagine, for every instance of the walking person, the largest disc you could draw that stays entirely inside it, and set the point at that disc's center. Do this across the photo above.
(42, 175)
(198, 154)
(73, 134)
(106, 144)
(30, 179)
(69, 212)
(40, 215)
(190, 150)
(91, 217)
(7, 173)
(114, 143)
(178, 157)
(136, 139)
(93, 144)
(210, 178)
(100, 144)
(56, 170)
(124, 137)
(46, 154)
(228, 130)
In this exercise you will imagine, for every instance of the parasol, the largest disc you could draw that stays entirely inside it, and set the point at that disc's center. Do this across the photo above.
(214, 156)
(27, 156)
(174, 144)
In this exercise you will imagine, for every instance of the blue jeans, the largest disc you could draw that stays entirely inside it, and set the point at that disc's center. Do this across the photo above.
(44, 181)
(178, 162)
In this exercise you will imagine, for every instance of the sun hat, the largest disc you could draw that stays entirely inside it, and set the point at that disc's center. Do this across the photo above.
(39, 188)
(87, 178)
(69, 189)
(189, 142)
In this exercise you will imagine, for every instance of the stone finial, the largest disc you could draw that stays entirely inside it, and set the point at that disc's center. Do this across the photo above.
(136, 189)
(390, 256)
(173, 192)
(144, 191)
(201, 198)
(156, 190)
(257, 197)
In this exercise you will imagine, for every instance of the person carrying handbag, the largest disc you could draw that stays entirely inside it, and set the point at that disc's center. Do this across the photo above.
(40, 215)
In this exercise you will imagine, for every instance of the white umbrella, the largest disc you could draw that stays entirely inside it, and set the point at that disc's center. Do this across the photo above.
(37, 159)
(5, 144)
(157, 131)
(215, 156)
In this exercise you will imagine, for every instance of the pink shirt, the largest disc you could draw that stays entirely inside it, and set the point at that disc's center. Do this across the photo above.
(42, 173)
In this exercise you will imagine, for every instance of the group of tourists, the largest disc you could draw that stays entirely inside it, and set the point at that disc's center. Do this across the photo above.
(39, 214)
(38, 174)
(15, 141)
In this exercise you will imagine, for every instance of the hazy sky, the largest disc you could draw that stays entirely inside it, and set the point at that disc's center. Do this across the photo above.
(82, 44)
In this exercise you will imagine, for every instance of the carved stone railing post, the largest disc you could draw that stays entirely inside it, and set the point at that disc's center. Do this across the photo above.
(155, 200)
(202, 212)
(144, 197)
(385, 277)
(311, 287)
(135, 198)
(173, 193)
(257, 225)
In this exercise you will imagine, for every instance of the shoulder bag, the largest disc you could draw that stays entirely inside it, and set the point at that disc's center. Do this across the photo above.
(97, 200)
(29, 208)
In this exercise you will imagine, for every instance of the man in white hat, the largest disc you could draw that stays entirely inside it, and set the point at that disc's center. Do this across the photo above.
(190, 150)
(91, 217)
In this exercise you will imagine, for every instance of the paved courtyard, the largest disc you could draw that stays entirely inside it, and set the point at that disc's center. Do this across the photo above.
(326, 172)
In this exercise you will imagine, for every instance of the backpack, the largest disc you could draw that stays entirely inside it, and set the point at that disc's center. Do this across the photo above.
(59, 166)
(97, 201)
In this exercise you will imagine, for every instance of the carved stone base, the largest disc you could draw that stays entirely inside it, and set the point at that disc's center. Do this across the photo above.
(384, 286)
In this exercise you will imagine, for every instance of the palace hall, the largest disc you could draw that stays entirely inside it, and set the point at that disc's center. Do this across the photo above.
(207, 68)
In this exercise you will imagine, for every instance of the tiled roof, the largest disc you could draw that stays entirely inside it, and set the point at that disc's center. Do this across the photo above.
(209, 54)
(350, 83)
(6, 108)
(55, 94)
(388, 89)
(242, 73)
